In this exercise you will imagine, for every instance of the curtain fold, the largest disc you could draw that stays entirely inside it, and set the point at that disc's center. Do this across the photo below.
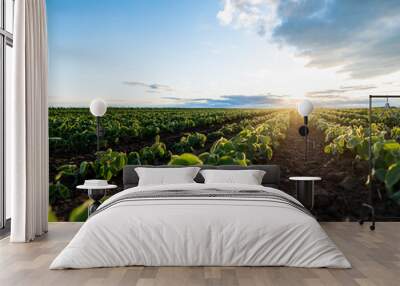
(28, 121)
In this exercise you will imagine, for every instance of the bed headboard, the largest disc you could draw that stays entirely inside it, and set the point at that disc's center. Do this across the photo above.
(271, 177)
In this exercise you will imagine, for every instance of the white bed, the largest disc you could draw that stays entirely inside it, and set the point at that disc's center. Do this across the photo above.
(202, 231)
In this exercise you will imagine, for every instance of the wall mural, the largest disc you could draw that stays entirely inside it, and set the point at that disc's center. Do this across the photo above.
(217, 82)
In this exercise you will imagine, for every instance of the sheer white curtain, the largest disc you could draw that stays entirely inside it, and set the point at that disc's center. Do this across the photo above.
(28, 125)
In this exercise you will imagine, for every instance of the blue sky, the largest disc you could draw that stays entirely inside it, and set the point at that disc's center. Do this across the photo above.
(230, 53)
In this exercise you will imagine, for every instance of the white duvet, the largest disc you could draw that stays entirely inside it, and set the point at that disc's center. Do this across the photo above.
(193, 231)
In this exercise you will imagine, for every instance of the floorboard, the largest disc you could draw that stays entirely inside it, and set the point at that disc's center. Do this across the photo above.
(375, 257)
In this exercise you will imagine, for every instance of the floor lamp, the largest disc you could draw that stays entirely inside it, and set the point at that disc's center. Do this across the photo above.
(98, 108)
(369, 205)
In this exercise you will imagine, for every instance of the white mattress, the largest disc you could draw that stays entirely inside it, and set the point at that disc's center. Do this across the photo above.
(202, 232)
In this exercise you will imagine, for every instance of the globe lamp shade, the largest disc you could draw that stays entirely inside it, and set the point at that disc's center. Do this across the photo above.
(98, 107)
(305, 108)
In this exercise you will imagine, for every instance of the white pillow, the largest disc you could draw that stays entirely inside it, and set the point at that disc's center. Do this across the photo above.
(248, 177)
(166, 176)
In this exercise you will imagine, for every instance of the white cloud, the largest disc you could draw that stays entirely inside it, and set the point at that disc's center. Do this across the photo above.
(226, 15)
(260, 15)
(151, 88)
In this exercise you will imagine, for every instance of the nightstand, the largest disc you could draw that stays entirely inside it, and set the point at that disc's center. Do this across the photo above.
(96, 193)
(305, 190)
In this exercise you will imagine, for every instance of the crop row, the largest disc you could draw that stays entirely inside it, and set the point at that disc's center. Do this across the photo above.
(73, 130)
(345, 133)
(388, 118)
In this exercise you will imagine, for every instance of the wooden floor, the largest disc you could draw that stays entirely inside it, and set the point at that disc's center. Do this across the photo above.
(375, 257)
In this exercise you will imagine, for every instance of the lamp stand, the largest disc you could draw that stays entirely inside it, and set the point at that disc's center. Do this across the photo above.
(303, 131)
(98, 132)
(306, 138)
